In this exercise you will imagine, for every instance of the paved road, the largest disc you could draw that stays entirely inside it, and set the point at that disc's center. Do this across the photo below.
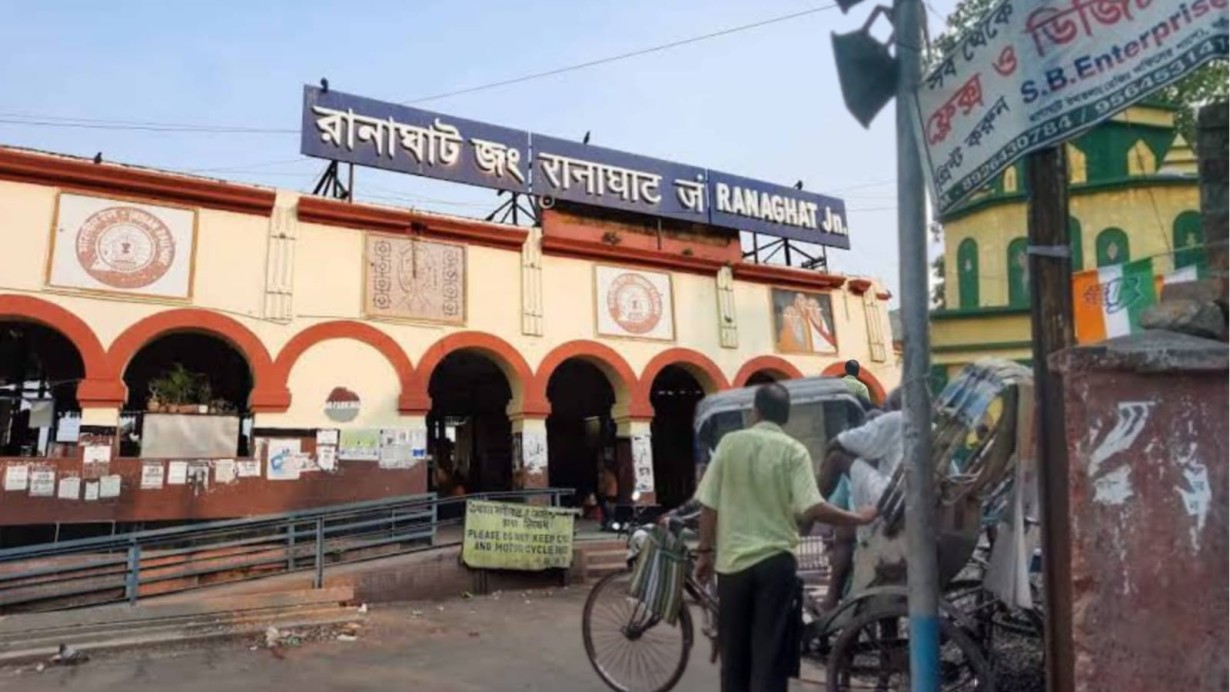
(510, 641)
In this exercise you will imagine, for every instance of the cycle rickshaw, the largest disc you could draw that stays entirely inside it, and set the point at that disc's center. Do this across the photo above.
(863, 642)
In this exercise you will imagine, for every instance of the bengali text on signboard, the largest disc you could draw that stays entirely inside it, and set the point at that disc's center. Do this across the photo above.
(1033, 73)
(518, 537)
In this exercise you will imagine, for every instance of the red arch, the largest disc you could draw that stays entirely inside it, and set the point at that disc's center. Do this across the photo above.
(621, 376)
(780, 367)
(504, 355)
(99, 389)
(864, 375)
(266, 395)
(346, 329)
(698, 365)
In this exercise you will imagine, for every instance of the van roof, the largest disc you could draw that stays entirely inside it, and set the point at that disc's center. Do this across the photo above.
(804, 390)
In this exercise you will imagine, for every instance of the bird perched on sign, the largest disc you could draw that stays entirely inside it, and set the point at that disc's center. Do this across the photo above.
(586, 139)
(324, 84)
(798, 185)
(98, 157)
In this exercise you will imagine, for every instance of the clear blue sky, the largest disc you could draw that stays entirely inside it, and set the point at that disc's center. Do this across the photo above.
(764, 103)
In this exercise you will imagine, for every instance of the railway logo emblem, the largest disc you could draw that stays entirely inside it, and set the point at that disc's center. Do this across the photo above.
(125, 247)
(634, 303)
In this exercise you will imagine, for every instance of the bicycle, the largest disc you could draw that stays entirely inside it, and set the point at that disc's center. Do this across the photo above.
(630, 648)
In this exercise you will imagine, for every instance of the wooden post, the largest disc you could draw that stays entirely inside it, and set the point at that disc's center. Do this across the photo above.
(1050, 280)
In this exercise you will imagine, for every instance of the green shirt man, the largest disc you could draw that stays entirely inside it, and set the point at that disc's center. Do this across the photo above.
(856, 387)
(757, 489)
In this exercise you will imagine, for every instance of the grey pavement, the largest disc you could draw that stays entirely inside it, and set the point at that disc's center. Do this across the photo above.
(507, 641)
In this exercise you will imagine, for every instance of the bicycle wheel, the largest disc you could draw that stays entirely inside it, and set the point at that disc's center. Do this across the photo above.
(873, 653)
(630, 649)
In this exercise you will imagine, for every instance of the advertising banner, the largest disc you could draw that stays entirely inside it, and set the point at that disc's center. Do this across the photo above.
(1036, 72)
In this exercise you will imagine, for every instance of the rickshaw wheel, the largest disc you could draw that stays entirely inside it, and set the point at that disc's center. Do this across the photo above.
(872, 652)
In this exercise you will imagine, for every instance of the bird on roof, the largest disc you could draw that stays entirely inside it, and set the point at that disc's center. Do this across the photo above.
(586, 139)
(324, 83)
(98, 157)
(798, 185)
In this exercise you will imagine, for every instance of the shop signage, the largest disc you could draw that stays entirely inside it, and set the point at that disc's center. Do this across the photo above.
(362, 131)
(515, 536)
(1033, 73)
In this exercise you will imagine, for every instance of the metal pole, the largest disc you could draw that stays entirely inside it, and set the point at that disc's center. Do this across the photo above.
(1050, 277)
(132, 582)
(920, 481)
(320, 553)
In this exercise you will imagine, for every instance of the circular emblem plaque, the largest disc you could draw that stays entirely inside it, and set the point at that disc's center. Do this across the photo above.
(125, 247)
(634, 303)
(342, 405)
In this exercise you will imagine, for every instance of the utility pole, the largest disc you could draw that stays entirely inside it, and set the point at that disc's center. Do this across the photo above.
(1050, 280)
(920, 477)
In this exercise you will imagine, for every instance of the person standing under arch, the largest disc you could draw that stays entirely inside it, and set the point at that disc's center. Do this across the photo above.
(856, 386)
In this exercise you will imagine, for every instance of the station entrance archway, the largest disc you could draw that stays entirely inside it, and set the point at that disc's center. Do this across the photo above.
(470, 436)
(674, 394)
(580, 430)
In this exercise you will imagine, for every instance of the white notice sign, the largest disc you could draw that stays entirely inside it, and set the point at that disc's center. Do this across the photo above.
(642, 462)
(16, 477)
(177, 473)
(91, 491)
(151, 475)
(97, 454)
(248, 468)
(42, 483)
(70, 488)
(110, 485)
(224, 471)
(1036, 72)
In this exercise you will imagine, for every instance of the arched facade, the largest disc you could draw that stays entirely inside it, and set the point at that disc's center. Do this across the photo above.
(508, 359)
(628, 396)
(100, 388)
(266, 395)
(778, 367)
(347, 329)
(706, 372)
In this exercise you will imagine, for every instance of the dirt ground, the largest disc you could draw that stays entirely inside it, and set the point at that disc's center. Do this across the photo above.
(506, 641)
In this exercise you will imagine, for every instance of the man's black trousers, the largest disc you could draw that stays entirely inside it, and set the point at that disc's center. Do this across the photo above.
(759, 625)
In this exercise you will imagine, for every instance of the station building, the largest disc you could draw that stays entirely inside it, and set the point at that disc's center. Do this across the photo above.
(176, 348)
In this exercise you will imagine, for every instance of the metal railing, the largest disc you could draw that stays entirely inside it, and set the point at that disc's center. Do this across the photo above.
(126, 567)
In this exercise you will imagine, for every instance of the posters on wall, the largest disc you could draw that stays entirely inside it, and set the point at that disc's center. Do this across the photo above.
(16, 477)
(248, 468)
(42, 482)
(642, 462)
(283, 462)
(224, 471)
(168, 435)
(326, 458)
(70, 488)
(97, 454)
(634, 303)
(151, 475)
(395, 448)
(119, 246)
(327, 437)
(177, 473)
(91, 491)
(109, 486)
(803, 322)
(418, 444)
(361, 444)
(533, 449)
(406, 278)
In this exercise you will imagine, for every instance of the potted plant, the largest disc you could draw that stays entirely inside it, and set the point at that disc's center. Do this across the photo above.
(179, 390)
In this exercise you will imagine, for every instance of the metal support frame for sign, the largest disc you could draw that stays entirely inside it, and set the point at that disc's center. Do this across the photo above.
(330, 183)
(512, 209)
(818, 262)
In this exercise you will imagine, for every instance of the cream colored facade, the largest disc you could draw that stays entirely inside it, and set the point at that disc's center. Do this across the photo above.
(277, 276)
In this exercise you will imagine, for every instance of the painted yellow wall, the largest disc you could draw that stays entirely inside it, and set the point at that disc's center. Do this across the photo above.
(231, 265)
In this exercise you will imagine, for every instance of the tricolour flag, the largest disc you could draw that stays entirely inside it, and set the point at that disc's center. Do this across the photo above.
(1108, 302)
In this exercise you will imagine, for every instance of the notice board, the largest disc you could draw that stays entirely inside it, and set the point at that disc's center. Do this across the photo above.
(499, 535)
